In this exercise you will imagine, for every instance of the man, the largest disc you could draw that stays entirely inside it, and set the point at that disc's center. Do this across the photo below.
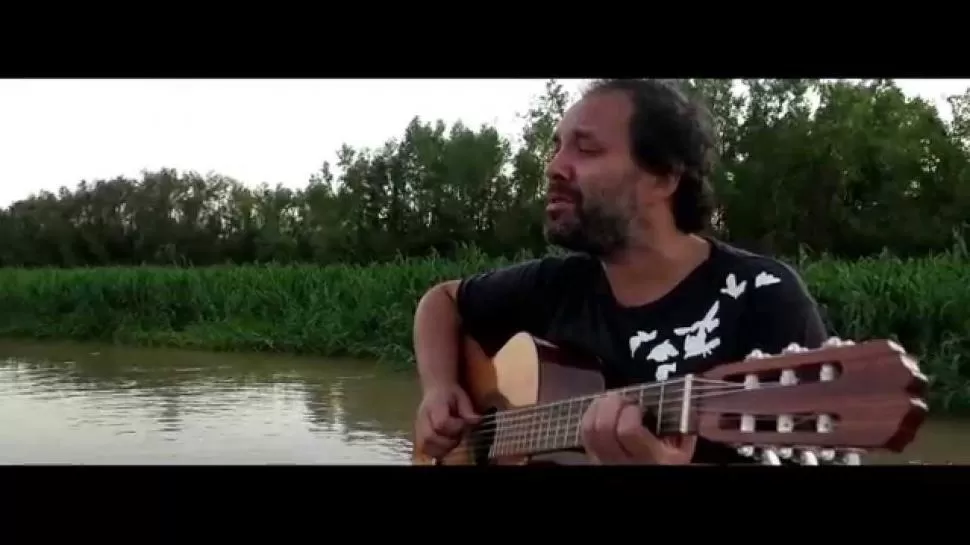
(628, 193)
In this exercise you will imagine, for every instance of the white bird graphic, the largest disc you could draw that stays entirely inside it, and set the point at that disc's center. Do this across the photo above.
(640, 338)
(732, 287)
(662, 352)
(765, 279)
(697, 344)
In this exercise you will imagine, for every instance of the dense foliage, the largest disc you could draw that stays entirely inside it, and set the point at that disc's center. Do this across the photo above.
(836, 167)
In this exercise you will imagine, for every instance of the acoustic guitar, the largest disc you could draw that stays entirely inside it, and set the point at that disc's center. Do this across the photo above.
(808, 406)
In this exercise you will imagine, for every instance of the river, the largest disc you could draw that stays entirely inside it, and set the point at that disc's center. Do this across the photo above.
(68, 403)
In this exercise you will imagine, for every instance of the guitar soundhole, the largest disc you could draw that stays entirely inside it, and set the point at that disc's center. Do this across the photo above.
(482, 438)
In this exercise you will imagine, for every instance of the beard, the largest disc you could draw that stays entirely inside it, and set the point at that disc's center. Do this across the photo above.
(598, 226)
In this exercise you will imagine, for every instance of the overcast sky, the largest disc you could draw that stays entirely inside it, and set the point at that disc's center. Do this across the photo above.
(58, 132)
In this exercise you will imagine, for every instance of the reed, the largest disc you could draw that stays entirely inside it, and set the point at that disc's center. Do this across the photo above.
(366, 311)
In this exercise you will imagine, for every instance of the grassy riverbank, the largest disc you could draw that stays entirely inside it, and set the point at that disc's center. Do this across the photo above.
(366, 311)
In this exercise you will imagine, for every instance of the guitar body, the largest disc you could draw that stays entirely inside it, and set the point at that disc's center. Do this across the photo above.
(526, 371)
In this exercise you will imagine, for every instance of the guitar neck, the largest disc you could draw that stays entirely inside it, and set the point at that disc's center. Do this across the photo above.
(556, 426)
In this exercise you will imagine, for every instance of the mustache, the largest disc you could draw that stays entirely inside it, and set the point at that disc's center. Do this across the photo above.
(561, 189)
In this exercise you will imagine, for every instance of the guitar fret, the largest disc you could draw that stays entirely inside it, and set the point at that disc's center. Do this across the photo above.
(548, 433)
(555, 422)
(532, 438)
(541, 423)
(542, 430)
(562, 439)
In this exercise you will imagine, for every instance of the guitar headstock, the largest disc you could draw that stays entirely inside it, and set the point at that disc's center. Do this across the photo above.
(842, 395)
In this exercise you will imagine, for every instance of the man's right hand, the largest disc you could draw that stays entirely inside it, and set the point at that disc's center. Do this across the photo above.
(444, 415)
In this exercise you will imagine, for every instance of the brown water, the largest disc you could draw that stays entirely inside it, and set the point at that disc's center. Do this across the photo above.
(91, 404)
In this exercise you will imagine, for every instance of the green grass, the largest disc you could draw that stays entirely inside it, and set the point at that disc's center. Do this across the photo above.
(366, 312)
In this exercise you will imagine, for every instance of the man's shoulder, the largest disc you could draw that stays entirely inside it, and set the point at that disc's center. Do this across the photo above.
(554, 265)
(759, 269)
(572, 261)
(546, 272)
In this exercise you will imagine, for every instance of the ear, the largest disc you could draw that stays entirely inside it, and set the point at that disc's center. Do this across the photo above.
(664, 185)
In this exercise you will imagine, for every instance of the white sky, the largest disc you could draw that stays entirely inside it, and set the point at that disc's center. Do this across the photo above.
(58, 132)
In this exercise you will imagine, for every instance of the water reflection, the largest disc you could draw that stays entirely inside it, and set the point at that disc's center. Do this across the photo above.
(69, 403)
(83, 404)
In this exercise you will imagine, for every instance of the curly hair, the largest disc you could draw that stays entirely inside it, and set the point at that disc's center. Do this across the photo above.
(669, 131)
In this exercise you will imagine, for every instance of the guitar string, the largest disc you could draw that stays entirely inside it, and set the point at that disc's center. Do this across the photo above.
(672, 383)
(527, 423)
(846, 426)
(533, 436)
(530, 428)
(698, 381)
(544, 415)
(545, 427)
(529, 413)
(697, 384)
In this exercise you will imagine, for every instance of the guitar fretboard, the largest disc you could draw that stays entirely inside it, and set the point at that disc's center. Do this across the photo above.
(558, 425)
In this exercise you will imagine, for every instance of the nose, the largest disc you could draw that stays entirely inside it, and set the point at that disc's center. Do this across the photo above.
(557, 168)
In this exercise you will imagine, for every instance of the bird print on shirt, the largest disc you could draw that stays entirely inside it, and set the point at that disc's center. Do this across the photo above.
(696, 342)
(700, 338)
(765, 278)
(732, 288)
(639, 338)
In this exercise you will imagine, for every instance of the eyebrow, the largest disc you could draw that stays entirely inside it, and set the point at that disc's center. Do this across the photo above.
(577, 134)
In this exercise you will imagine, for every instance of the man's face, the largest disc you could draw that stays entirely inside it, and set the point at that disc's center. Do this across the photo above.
(595, 190)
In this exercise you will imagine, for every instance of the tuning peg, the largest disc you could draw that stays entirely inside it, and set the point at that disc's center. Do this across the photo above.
(794, 348)
(756, 354)
(747, 451)
(852, 457)
(769, 457)
(807, 457)
(835, 341)
(827, 454)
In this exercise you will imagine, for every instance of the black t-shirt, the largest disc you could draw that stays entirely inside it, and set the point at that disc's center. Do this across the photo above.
(734, 302)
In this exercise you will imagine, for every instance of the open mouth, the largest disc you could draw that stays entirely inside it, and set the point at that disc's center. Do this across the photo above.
(559, 198)
(559, 204)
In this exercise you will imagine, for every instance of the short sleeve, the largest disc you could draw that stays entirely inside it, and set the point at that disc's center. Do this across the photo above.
(781, 311)
(496, 304)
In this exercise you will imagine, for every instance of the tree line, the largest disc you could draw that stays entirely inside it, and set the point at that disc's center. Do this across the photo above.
(844, 168)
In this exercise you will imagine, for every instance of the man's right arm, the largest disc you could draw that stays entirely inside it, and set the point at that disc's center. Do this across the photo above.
(489, 306)
(437, 327)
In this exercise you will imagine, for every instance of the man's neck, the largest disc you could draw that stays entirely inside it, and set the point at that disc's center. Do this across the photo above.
(653, 266)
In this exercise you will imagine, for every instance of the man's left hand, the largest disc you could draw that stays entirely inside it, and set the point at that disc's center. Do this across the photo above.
(613, 433)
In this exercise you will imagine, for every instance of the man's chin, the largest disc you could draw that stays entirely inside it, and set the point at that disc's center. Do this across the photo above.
(563, 235)
(572, 239)
(555, 227)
